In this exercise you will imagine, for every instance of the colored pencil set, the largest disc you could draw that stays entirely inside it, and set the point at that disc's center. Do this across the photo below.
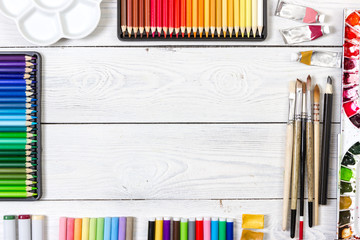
(189, 19)
(303, 152)
(24, 227)
(19, 126)
(108, 228)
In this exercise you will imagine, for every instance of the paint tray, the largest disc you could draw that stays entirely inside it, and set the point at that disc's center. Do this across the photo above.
(348, 196)
(124, 35)
(37, 151)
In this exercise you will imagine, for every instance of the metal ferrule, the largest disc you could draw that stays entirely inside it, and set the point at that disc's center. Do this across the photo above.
(298, 104)
(291, 108)
(308, 106)
(303, 112)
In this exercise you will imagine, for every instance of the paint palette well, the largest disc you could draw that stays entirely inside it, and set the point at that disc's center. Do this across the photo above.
(44, 22)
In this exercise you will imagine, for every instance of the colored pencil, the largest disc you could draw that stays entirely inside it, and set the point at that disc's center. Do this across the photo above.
(16, 153)
(17, 170)
(135, 16)
(302, 161)
(159, 17)
(17, 64)
(166, 228)
(183, 229)
(148, 11)
(17, 70)
(16, 165)
(14, 194)
(16, 188)
(141, 17)
(188, 17)
(288, 154)
(16, 135)
(17, 117)
(260, 16)
(199, 229)
(165, 15)
(153, 21)
(16, 159)
(254, 23)
(182, 17)
(159, 228)
(176, 229)
(326, 134)
(236, 17)
(16, 82)
(100, 228)
(224, 15)
(17, 129)
(8, 182)
(248, 17)
(218, 4)
(123, 18)
(201, 16)
(129, 16)
(17, 176)
(195, 18)
(316, 108)
(212, 17)
(172, 17)
(18, 57)
(230, 21)
(207, 14)
(17, 123)
(296, 157)
(85, 229)
(16, 76)
(191, 229)
(151, 229)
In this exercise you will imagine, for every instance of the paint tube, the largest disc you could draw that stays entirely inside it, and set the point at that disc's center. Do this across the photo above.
(318, 58)
(304, 33)
(297, 12)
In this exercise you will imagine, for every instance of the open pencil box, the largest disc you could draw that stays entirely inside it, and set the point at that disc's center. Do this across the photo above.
(124, 35)
(34, 156)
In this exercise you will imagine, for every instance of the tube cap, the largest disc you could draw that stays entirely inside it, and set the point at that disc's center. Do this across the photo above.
(326, 29)
(295, 57)
(321, 18)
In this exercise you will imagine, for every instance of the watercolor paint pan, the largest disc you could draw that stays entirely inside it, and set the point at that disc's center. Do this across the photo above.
(124, 36)
(37, 152)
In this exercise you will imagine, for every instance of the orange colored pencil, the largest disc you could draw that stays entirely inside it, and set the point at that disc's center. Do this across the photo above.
(141, 17)
(195, 19)
(230, 16)
(207, 17)
(177, 12)
(201, 17)
(188, 17)
(212, 17)
(147, 17)
(171, 17)
(136, 17)
(153, 17)
(218, 16)
(129, 20)
(159, 16)
(183, 17)
(165, 7)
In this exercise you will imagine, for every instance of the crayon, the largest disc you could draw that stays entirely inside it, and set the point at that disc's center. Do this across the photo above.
(122, 228)
(77, 229)
(222, 229)
(166, 228)
(229, 229)
(85, 228)
(176, 229)
(107, 228)
(70, 228)
(151, 229)
(191, 229)
(129, 228)
(199, 229)
(207, 228)
(100, 228)
(159, 228)
(114, 228)
(62, 228)
(92, 229)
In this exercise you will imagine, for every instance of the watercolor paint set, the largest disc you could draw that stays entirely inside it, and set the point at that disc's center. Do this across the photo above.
(20, 126)
(349, 146)
(229, 20)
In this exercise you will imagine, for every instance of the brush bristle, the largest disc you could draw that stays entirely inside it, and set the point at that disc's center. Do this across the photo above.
(316, 94)
(303, 87)
(308, 83)
(329, 80)
(298, 83)
(292, 87)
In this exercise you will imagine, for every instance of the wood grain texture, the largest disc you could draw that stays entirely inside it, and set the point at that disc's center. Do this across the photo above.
(171, 161)
(106, 32)
(106, 85)
(142, 210)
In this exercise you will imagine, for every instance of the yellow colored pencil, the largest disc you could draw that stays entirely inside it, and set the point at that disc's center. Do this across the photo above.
(218, 17)
(242, 17)
(212, 17)
(230, 16)
(224, 16)
(236, 17)
(194, 16)
(201, 17)
(85, 229)
(206, 17)
(248, 18)
(254, 22)
(188, 17)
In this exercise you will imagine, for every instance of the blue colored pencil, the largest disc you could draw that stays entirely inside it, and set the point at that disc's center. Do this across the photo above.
(114, 228)
(15, 76)
(16, 93)
(16, 99)
(17, 105)
(17, 64)
(17, 117)
(16, 88)
(16, 123)
(16, 82)
(229, 229)
(17, 70)
(214, 229)
(16, 111)
(17, 129)
(107, 228)
(16, 57)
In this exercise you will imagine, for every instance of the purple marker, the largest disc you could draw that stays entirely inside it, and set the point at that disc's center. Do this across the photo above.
(122, 228)
(166, 228)
(16, 58)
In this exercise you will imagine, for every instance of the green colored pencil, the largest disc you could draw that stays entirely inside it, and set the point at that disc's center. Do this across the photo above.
(16, 165)
(17, 194)
(17, 135)
(17, 129)
(7, 182)
(16, 147)
(4, 141)
(17, 176)
(16, 170)
(16, 188)
(16, 159)
(16, 153)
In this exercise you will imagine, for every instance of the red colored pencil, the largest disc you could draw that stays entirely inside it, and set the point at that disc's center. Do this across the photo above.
(183, 17)
(147, 17)
(171, 17)
(165, 22)
(199, 229)
(136, 17)
(129, 15)
(159, 16)
(141, 17)
(177, 17)
(153, 17)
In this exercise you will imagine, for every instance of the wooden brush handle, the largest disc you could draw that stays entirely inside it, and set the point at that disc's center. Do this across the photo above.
(287, 172)
(295, 164)
(317, 169)
(310, 159)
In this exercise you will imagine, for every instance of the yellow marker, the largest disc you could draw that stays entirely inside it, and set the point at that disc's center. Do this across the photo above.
(230, 16)
(159, 228)
(206, 16)
(224, 17)
(212, 17)
(194, 16)
(236, 17)
(242, 16)
(85, 229)
(248, 18)
(218, 17)
(254, 22)
(188, 17)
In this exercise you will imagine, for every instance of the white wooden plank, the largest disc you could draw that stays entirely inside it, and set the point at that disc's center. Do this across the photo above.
(106, 33)
(173, 85)
(142, 210)
(186, 161)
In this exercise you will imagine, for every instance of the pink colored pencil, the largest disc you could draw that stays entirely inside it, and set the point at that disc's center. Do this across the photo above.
(153, 17)
(159, 16)
(70, 229)
(165, 16)
(171, 17)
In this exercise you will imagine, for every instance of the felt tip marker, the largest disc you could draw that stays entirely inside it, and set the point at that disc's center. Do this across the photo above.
(214, 228)
(37, 230)
(24, 227)
(10, 227)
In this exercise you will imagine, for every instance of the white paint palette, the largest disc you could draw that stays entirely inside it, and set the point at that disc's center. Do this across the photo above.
(44, 22)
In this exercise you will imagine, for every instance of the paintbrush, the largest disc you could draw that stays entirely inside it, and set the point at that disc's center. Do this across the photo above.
(309, 151)
(324, 168)
(302, 161)
(296, 157)
(317, 149)
(288, 153)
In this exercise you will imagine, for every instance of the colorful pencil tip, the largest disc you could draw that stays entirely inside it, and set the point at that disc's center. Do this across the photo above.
(177, 35)
(230, 34)
(201, 34)
(183, 34)
(153, 34)
(164, 34)
(248, 34)
(212, 35)
(207, 35)
(171, 35)
(147, 34)
(224, 34)
(237, 35)
(189, 34)
(242, 34)
(159, 34)
(194, 34)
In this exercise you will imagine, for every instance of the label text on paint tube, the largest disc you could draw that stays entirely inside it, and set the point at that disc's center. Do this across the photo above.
(318, 58)
(297, 12)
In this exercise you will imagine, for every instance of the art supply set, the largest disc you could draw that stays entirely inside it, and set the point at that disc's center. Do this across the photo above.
(24, 227)
(303, 152)
(349, 146)
(239, 20)
(20, 126)
(108, 228)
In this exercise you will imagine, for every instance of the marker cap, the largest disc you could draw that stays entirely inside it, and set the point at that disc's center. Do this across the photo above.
(9, 217)
(24, 217)
(38, 217)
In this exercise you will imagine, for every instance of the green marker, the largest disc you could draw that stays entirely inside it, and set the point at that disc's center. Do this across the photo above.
(17, 194)
(17, 188)
(92, 229)
(7, 182)
(222, 229)
(183, 229)
(100, 229)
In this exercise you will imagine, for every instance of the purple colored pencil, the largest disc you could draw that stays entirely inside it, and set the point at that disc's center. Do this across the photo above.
(17, 70)
(16, 76)
(16, 64)
(16, 58)
(166, 228)
(122, 228)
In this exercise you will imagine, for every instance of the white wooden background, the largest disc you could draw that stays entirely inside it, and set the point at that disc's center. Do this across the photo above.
(172, 128)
